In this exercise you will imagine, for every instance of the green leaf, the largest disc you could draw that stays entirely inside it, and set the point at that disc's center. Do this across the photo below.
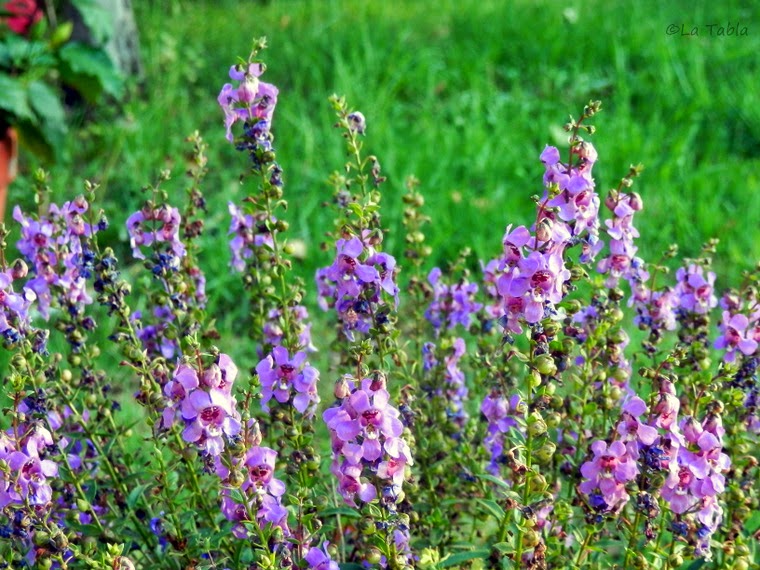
(97, 18)
(350, 566)
(15, 99)
(753, 524)
(504, 547)
(455, 559)
(506, 489)
(32, 138)
(343, 511)
(237, 496)
(47, 105)
(492, 507)
(89, 71)
(135, 494)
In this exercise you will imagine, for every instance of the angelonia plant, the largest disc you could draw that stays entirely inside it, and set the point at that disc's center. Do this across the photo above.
(565, 404)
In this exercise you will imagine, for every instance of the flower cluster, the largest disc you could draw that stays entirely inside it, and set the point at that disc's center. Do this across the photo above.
(530, 276)
(501, 414)
(260, 486)
(452, 304)
(447, 381)
(288, 380)
(252, 101)
(576, 201)
(694, 290)
(612, 466)
(14, 307)
(27, 478)
(621, 262)
(688, 453)
(202, 401)
(56, 246)
(250, 232)
(370, 455)
(354, 284)
(151, 227)
(695, 478)
(368, 450)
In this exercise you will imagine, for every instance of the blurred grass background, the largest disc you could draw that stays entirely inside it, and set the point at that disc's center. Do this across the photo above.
(464, 94)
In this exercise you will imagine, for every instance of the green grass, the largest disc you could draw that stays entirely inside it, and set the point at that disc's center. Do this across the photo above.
(464, 94)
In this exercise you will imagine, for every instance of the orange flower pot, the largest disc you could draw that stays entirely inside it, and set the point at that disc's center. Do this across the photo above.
(8, 165)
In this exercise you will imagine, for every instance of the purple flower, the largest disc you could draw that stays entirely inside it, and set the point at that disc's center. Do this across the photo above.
(501, 415)
(31, 474)
(286, 379)
(736, 336)
(696, 294)
(209, 416)
(609, 470)
(630, 428)
(205, 404)
(61, 261)
(319, 559)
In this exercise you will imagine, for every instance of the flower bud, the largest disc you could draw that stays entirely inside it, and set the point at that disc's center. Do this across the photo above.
(531, 538)
(123, 563)
(545, 365)
(41, 538)
(545, 453)
(544, 230)
(374, 556)
(341, 389)
(19, 269)
(536, 425)
(356, 122)
(533, 379)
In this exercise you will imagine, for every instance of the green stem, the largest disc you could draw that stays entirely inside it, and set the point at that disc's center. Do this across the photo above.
(631, 540)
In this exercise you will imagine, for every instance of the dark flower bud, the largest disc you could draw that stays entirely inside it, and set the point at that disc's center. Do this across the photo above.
(357, 123)
(19, 269)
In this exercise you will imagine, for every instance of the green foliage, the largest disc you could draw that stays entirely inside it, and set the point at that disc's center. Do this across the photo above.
(33, 69)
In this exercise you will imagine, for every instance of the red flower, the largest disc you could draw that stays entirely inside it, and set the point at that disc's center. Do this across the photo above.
(23, 15)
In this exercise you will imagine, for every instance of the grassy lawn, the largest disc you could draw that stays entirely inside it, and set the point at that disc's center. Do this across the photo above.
(462, 94)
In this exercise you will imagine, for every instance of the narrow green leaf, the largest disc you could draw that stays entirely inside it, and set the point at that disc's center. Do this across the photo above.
(135, 494)
(506, 489)
(492, 508)
(343, 511)
(455, 559)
